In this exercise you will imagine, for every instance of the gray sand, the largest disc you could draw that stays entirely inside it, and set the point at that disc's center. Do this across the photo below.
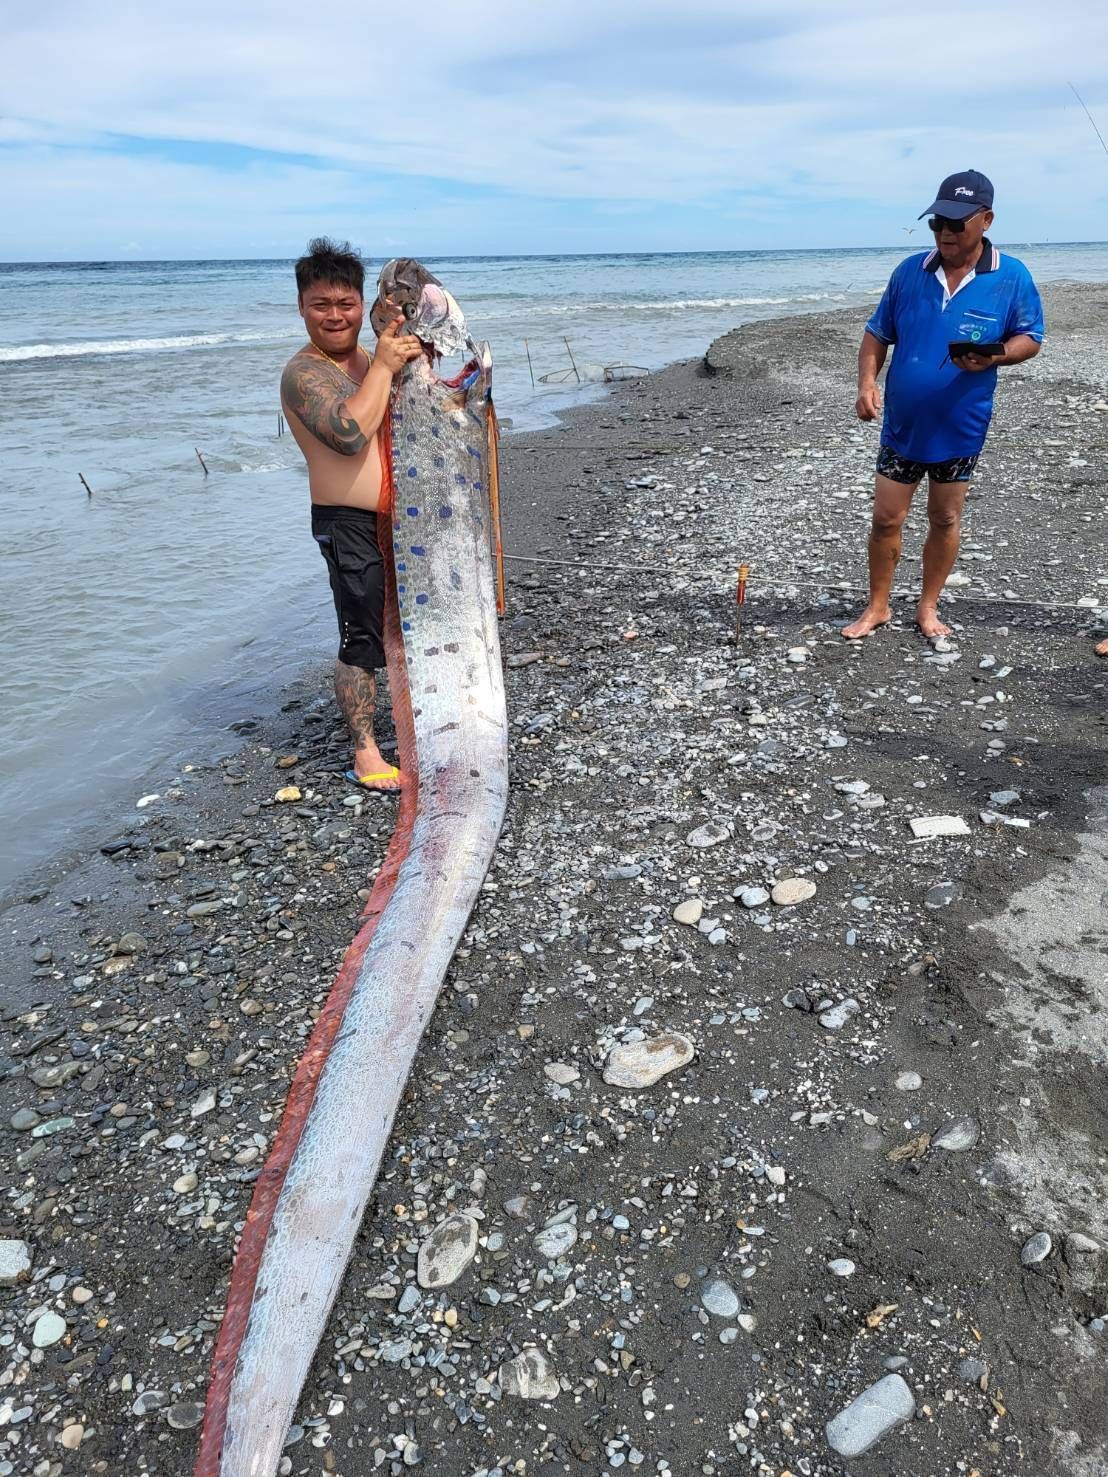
(974, 963)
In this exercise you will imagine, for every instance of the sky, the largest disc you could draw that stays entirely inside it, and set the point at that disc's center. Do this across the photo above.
(514, 126)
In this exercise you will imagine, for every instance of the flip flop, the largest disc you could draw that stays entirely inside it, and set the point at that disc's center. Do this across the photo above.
(372, 781)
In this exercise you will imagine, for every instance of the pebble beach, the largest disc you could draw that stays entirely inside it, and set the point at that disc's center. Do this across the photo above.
(760, 1125)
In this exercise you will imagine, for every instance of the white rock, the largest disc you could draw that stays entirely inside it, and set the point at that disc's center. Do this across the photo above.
(798, 655)
(957, 1135)
(447, 1251)
(875, 1412)
(792, 890)
(909, 1082)
(15, 1261)
(753, 897)
(642, 1063)
(553, 1242)
(841, 1266)
(838, 1015)
(186, 1184)
(72, 1436)
(529, 1376)
(926, 827)
(561, 1073)
(711, 833)
(689, 912)
(48, 1329)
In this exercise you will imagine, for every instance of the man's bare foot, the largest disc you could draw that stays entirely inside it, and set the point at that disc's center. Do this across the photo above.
(373, 770)
(869, 621)
(927, 619)
(1102, 647)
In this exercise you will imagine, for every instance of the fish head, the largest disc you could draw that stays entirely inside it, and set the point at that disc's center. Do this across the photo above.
(407, 288)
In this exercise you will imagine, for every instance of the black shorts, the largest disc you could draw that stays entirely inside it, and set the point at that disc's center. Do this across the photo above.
(347, 539)
(899, 468)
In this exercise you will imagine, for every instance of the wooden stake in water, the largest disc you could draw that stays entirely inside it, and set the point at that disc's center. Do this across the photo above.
(84, 484)
(201, 460)
(280, 424)
(572, 360)
(740, 599)
(527, 351)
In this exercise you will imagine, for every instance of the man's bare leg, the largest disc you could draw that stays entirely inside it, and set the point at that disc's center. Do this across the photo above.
(891, 501)
(1102, 647)
(356, 692)
(945, 501)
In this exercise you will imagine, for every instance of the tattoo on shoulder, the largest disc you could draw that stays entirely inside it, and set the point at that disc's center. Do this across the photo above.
(315, 393)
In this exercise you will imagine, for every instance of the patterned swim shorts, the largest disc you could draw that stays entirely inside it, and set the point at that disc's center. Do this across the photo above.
(899, 468)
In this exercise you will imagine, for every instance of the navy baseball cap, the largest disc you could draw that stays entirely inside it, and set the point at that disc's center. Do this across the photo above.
(961, 195)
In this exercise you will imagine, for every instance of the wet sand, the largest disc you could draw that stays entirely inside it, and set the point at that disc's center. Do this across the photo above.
(765, 1232)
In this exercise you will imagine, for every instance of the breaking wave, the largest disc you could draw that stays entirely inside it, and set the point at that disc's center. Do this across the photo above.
(12, 355)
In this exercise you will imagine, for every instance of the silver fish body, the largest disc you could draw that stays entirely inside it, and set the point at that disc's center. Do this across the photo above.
(448, 698)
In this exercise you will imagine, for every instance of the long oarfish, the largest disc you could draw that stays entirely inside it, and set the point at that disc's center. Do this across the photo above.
(448, 700)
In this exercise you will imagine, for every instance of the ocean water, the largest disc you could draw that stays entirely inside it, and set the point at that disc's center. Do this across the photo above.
(140, 620)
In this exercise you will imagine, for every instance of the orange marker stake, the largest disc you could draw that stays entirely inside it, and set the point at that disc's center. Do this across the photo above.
(493, 429)
(740, 599)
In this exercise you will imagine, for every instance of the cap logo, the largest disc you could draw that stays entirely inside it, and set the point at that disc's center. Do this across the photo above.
(961, 190)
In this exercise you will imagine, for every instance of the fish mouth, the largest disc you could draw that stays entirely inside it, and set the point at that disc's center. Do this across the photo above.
(431, 313)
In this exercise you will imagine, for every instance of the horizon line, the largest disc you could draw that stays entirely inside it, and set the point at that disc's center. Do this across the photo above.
(106, 261)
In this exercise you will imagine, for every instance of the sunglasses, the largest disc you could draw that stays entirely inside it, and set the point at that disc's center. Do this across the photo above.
(944, 223)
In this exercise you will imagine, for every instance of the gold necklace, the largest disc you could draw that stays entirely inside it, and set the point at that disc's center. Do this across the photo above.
(338, 366)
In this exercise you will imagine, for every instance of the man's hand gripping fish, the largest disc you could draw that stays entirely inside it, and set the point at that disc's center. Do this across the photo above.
(444, 669)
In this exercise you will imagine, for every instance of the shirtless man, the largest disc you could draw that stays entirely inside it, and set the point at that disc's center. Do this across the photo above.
(335, 396)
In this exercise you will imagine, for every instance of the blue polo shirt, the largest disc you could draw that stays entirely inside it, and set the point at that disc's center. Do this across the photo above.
(933, 410)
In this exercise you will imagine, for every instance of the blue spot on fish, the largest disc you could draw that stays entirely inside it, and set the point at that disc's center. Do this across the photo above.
(418, 550)
(473, 451)
(459, 480)
(405, 625)
(413, 472)
(413, 512)
(422, 599)
(445, 512)
(440, 461)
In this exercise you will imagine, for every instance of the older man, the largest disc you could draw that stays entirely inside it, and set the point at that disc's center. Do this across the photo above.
(937, 307)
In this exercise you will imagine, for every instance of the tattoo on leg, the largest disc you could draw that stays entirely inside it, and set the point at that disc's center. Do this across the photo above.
(356, 691)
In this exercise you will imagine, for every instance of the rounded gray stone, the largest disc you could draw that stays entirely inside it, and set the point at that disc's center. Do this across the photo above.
(720, 1299)
(909, 1082)
(873, 1414)
(1036, 1249)
(753, 897)
(185, 1415)
(49, 1328)
(553, 1242)
(689, 912)
(447, 1252)
(841, 1266)
(957, 1135)
(711, 833)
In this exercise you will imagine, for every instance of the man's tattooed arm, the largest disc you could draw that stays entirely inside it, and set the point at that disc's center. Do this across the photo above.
(313, 391)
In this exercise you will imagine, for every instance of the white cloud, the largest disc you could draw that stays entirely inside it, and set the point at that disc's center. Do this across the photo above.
(841, 113)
